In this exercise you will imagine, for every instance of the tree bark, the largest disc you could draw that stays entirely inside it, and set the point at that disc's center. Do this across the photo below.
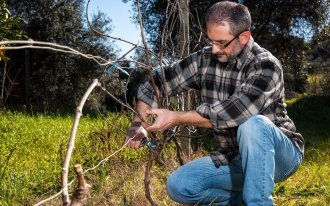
(184, 52)
(27, 77)
(65, 168)
(3, 84)
(184, 28)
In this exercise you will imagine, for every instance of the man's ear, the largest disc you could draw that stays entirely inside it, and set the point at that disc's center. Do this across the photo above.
(245, 37)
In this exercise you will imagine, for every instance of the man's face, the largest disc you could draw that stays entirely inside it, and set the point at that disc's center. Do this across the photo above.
(225, 46)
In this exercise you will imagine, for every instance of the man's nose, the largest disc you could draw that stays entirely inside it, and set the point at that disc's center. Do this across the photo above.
(215, 49)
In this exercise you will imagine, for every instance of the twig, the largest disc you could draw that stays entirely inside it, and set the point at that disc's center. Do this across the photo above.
(162, 44)
(148, 68)
(118, 100)
(153, 154)
(65, 169)
(90, 169)
(167, 136)
(50, 46)
(54, 196)
(4, 167)
(116, 38)
(200, 33)
(178, 151)
(123, 104)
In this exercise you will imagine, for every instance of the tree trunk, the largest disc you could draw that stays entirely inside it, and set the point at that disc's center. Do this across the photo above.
(27, 77)
(184, 52)
(3, 84)
(184, 28)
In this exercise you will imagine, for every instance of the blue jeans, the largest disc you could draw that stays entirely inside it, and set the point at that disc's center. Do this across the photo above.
(265, 156)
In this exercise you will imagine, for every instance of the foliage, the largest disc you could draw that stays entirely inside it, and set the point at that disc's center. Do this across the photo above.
(10, 27)
(51, 79)
(280, 26)
(319, 58)
(311, 115)
(284, 28)
(319, 83)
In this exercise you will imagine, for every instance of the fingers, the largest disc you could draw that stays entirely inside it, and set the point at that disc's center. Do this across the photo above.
(134, 142)
(152, 128)
(165, 119)
(156, 128)
(134, 137)
(152, 111)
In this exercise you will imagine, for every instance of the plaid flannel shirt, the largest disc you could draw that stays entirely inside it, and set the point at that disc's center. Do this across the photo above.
(252, 83)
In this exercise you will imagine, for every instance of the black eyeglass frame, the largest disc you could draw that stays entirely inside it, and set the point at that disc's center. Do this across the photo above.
(224, 46)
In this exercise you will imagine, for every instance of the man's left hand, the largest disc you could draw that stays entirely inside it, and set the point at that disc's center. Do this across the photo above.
(165, 119)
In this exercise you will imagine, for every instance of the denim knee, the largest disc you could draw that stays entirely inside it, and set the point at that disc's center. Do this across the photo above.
(171, 186)
(174, 188)
(250, 129)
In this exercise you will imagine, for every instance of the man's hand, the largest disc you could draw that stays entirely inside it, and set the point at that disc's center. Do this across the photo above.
(165, 119)
(134, 135)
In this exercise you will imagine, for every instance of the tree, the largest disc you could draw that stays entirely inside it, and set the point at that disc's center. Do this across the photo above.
(52, 77)
(284, 29)
(279, 26)
(319, 58)
(10, 28)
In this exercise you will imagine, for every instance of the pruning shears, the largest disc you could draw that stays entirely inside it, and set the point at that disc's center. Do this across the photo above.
(151, 144)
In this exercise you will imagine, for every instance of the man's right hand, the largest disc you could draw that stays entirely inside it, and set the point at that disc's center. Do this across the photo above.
(134, 135)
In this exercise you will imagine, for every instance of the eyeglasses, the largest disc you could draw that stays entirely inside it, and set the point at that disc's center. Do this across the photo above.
(223, 46)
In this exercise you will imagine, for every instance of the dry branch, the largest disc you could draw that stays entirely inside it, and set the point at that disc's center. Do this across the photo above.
(148, 68)
(116, 38)
(166, 136)
(65, 169)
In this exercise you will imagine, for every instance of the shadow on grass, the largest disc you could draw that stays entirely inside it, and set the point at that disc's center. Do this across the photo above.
(311, 116)
(310, 185)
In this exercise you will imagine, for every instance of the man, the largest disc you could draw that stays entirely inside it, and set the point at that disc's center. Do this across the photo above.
(242, 91)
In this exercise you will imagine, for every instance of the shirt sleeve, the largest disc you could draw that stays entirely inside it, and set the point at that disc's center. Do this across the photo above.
(177, 78)
(263, 82)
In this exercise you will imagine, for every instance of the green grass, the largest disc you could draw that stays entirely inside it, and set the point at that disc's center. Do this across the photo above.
(310, 185)
(32, 149)
(30, 157)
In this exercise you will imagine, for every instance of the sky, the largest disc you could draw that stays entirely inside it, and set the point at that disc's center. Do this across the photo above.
(122, 26)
